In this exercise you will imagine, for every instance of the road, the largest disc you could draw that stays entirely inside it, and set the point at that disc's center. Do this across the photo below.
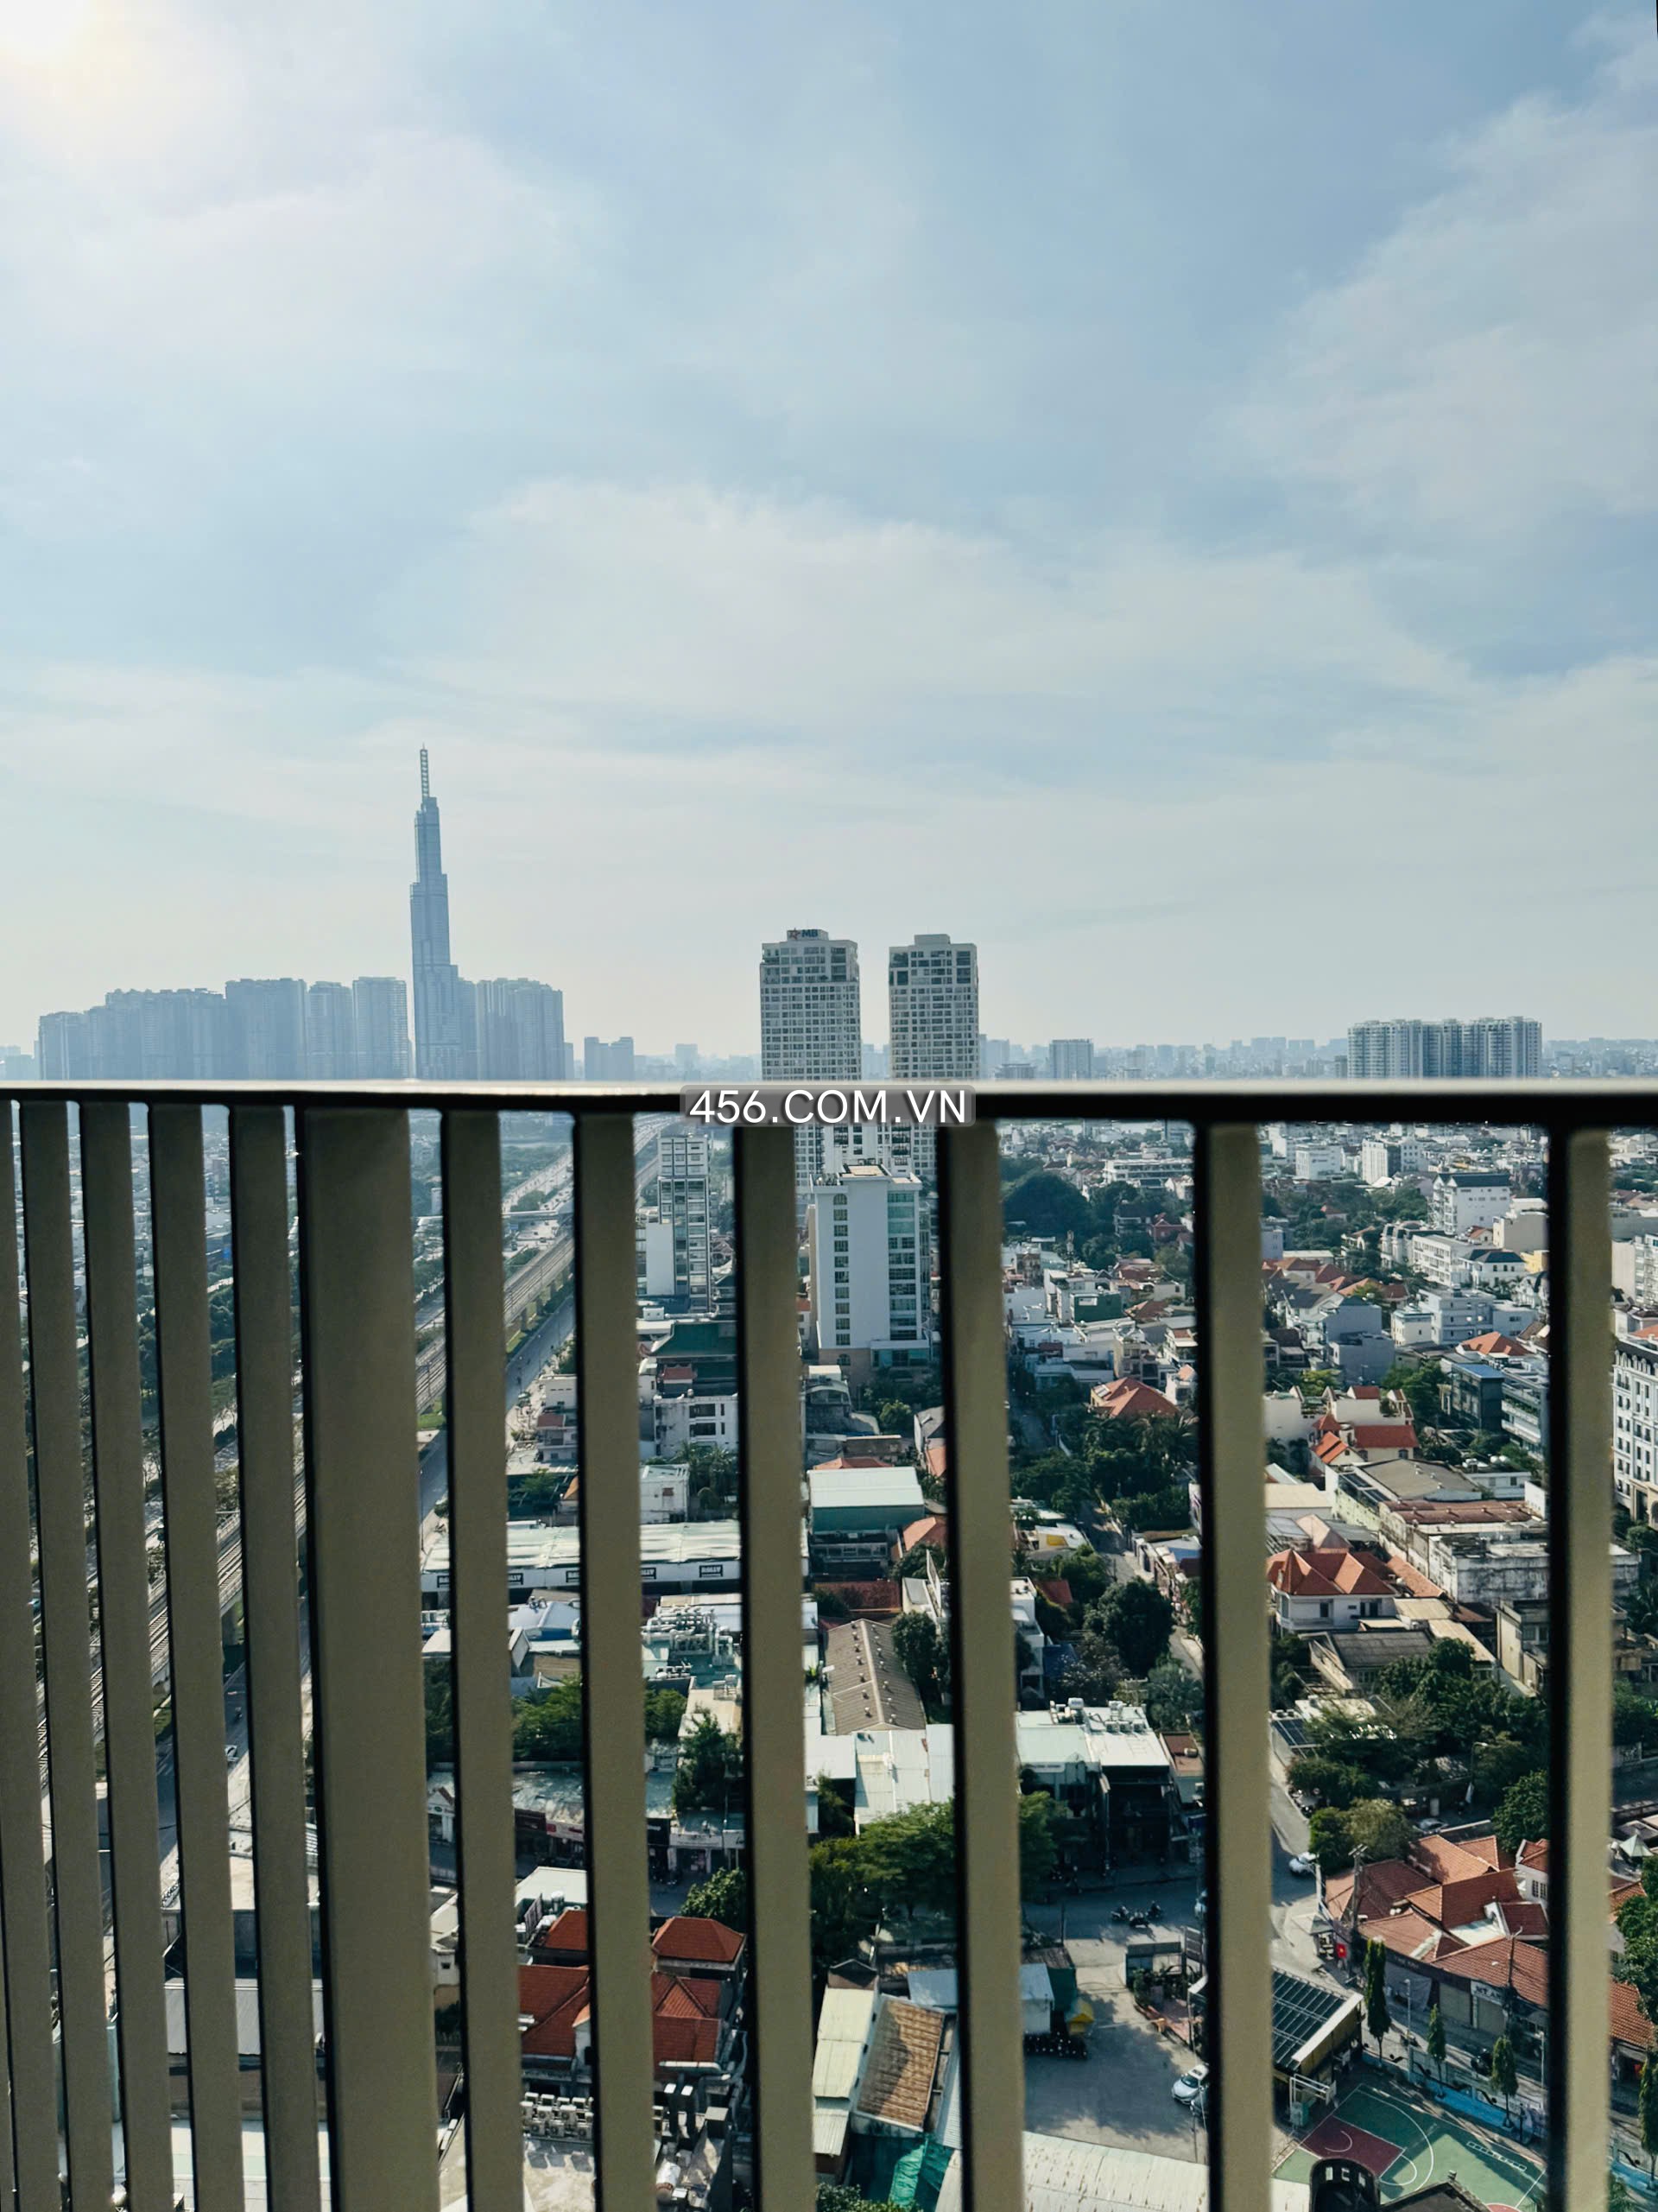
(535, 1274)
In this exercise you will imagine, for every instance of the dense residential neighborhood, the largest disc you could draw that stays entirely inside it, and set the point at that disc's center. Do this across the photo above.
(1404, 1331)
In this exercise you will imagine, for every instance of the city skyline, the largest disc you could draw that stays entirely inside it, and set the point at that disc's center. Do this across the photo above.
(739, 479)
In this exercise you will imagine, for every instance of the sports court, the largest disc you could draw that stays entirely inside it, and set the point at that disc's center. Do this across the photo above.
(1408, 2142)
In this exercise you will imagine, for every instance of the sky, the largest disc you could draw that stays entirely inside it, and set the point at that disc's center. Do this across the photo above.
(1168, 493)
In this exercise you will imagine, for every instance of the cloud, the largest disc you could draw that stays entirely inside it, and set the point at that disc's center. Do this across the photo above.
(1488, 367)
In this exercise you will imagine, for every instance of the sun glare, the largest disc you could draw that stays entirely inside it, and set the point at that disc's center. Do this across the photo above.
(42, 30)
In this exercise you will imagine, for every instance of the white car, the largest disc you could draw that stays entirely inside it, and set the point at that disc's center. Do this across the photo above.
(1302, 1862)
(1190, 2087)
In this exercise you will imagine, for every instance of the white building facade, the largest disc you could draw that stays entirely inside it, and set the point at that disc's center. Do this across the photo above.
(870, 1266)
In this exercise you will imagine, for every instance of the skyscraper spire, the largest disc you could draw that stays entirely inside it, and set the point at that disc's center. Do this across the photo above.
(445, 1043)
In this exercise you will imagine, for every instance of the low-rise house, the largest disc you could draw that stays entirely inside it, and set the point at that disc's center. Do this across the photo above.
(1326, 1586)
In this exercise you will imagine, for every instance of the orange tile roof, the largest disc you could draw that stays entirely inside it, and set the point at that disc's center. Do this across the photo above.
(687, 1936)
(1126, 1399)
(1385, 1884)
(1454, 1904)
(1454, 1861)
(1324, 1571)
(1407, 1934)
(567, 1933)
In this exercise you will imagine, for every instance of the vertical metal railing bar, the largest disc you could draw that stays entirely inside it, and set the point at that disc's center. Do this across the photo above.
(124, 1649)
(195, 1648)
(1579, 1661)
(780, 1938)
(619, 1913)
(981, 1664)
(474, 1297)
(368, 1704)
(77, 1883)
(8, 2173)
(31, 2066)
(1238, 2023)
(270, 1604)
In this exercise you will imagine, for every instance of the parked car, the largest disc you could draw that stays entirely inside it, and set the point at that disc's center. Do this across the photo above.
(1189, 2089)
(1302, 1862)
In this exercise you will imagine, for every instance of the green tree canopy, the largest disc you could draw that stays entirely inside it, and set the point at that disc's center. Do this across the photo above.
(1522, 1814)
(923, 1654)
(723, 1895)
(709, 1776)
(1137, 1618)
(547, 1725)
(1377, 1829)
(1328, 1840)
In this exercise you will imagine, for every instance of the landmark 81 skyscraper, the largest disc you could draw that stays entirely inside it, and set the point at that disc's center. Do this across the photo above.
(445, 1028)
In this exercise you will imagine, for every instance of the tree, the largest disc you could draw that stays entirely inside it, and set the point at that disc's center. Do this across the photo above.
(440, 1714)
(1328, 1840)
(1047, 1205)
(841, 2196)
(1332, 1781)
(530, 1496)
(724, 1896)
(1040, 1816)
(834, 1812)
(1169, 1509)
(1092, 1669)
(1647, 2113)
(1505, 2075)
(1637, 1924)
(709, 1776)
(1137, 1618)
(1377, 1829)
(843, 1911)
(1173, 1698)
(907, 1863)
(664, 1710)
(548, 1726)
(1522, 1815)
(1436, 2038)
(894, 1417)
(1377, 2019)
(1499, 1765)
(914, 1562)
(919, 1650)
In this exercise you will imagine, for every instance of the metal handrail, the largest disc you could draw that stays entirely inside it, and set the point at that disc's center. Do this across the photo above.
(356, 1307)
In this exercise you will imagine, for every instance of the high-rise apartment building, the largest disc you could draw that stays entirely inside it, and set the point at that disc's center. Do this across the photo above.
(380, 1019)
(607, 1063)
(869, 1272)
(810, 1026)
(1493, 1045)
(519, 1030)
(330, 1033)
(933, 996)
(683, 1209)
(141, 1035)
(1071, 1059)
(266, 1018)
(445, 1040)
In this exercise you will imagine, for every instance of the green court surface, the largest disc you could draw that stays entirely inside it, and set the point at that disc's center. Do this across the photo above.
(1429, 2144)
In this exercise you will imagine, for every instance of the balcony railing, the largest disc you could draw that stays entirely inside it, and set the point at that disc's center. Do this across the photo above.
(362, 1601)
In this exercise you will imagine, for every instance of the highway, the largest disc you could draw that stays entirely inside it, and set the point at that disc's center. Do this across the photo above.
(536, 1274)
